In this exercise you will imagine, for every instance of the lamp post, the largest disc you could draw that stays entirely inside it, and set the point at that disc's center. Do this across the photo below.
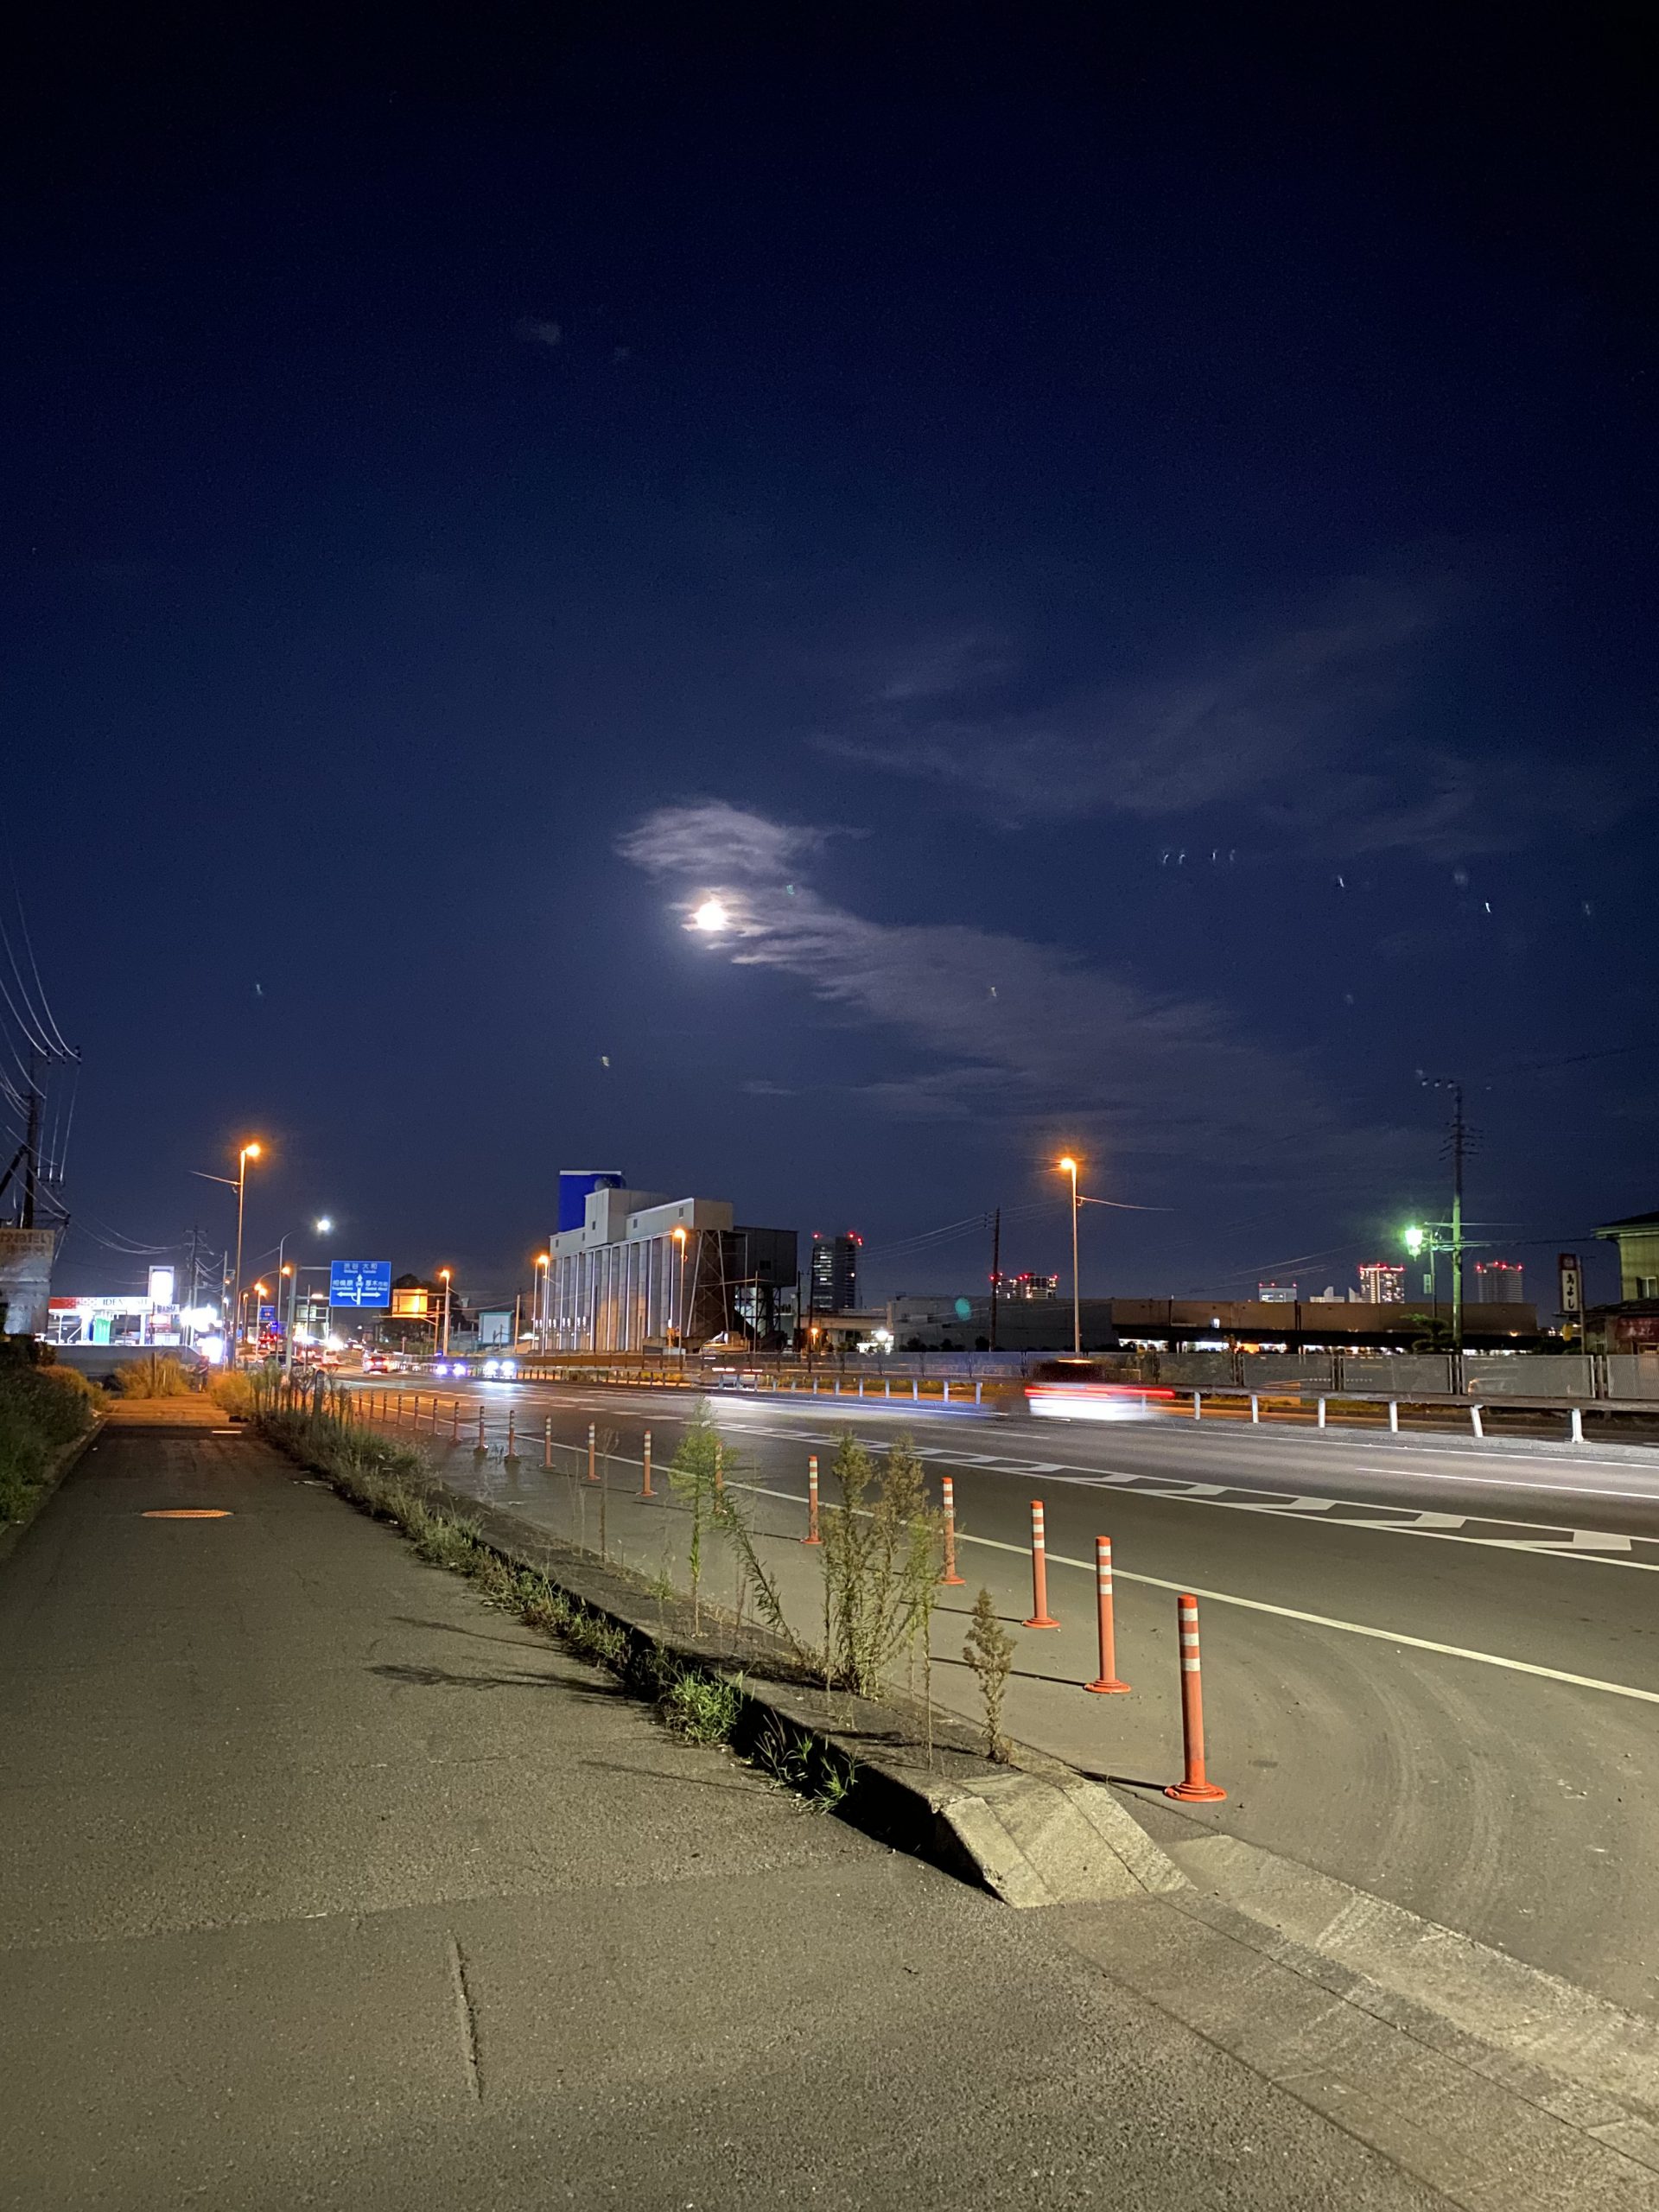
(238, 1183)
(1069, 1166)
(543, 1293)
(444, 1277)
(679, 1303)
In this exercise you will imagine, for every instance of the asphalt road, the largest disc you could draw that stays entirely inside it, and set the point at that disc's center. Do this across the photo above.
(1430, 1671)
(325, 1884)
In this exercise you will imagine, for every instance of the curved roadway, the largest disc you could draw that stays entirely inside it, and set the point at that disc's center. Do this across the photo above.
(1430, 1671)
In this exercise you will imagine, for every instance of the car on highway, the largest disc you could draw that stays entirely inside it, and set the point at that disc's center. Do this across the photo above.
(1084, 1399)
(376, 1361)
(491, 1369)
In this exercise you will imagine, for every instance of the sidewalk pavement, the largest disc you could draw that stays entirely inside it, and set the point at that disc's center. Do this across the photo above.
(326, 1885)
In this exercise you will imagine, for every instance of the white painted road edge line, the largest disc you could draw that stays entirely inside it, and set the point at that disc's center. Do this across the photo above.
(1347, 1627)
(1261, 1605)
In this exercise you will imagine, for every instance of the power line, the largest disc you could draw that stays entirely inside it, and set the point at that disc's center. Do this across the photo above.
(64, 1046)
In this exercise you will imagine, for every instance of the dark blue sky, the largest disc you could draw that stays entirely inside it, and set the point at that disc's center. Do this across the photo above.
(1126, 556)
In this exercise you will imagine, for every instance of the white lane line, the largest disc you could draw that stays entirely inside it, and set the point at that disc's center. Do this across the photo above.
(1346, 1628)
(1552, 1540)
(1397, 1637)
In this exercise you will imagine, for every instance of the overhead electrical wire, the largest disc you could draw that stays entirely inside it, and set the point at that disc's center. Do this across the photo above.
(64, 1046)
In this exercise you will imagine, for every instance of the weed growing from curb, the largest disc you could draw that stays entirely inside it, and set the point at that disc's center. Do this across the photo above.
(989, 1652)
(701, 1707)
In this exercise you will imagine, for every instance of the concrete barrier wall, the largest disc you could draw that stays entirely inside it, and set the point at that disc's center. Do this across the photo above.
(1529, 1374)
(1632, 1375)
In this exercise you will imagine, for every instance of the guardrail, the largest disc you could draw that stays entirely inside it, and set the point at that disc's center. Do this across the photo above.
(897, 1390)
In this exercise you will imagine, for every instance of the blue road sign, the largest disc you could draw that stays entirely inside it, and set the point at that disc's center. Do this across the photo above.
(359, 1282)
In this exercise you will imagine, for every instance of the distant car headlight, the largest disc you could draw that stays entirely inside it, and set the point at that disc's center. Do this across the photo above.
(439, 1366)
(509, 1368)
(492, 1367)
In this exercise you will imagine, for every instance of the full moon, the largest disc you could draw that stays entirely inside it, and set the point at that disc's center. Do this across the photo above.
(711, 915)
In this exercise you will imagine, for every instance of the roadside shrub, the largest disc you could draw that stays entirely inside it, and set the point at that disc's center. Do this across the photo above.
(41, 1408)
(67, 1401)
(157, 1375)
(989, 1652)
(881, 1556)
(701, 1707)
(234, 1393)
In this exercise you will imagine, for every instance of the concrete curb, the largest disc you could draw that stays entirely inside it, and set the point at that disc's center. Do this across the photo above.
(13, 1532)
(1033, 1835)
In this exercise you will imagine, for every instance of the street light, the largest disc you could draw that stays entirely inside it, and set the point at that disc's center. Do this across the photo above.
(679, 1234)
(324, 1225)
(238, 1183)
(543, 1291)
(444, 1277)
(1069, 1166)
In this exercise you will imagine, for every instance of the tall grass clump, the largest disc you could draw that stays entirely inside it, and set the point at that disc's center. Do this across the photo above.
(881, 1550)
(156, 1375)
(693, 1477)
(989, 1652)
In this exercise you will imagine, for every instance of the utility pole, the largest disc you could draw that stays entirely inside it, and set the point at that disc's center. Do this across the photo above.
(996, 1267)
(1459, 1141)
(1458, 1144)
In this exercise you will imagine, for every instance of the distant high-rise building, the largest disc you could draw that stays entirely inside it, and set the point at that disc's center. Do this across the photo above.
(1276, 1294)
(1383, 1282)
(1499, 1282)
(833, 1283)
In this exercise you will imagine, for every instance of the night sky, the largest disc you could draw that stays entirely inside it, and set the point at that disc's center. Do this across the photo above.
(1124, 555)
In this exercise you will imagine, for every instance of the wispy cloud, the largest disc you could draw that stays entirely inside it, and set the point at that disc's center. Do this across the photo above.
(994, 1025)
(540, 334)
(1287, 737)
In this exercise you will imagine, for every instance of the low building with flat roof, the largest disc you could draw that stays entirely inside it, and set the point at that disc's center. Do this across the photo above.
(645, 1272)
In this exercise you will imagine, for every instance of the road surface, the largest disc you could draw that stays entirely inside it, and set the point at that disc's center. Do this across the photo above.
(1430, 1670)
(327, 1885)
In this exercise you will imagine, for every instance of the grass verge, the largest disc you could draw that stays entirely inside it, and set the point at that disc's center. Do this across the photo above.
(388, 1481)
(43, 1409)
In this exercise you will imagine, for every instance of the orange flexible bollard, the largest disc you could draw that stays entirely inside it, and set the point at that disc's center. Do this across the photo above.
(455, 1420)
(645, 1489)
(1194, 1788)
(547, 1441)
(593, 1470)
(1106, 1683)
(512, 1440)
(720, 1464)
(813, 1536)
(480, 1444)
(1040, 1616)
(950, 1577)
